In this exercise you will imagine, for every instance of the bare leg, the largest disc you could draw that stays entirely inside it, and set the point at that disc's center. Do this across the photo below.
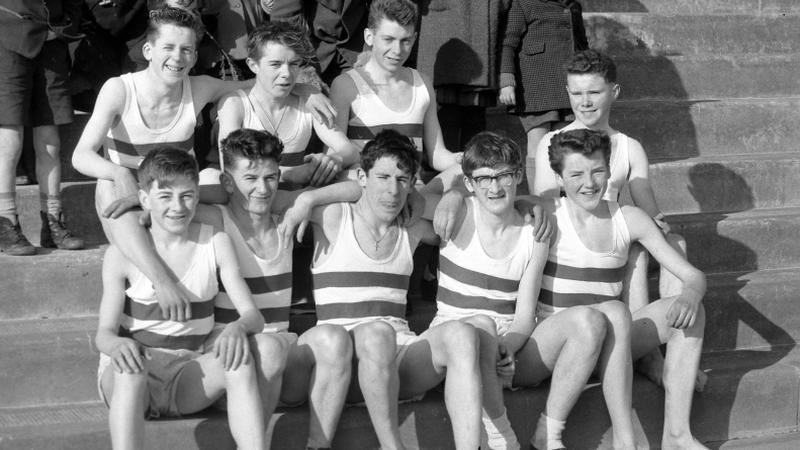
(47, 144)
(204, 380)
(10, 151)
(681, 365)
(616, 371)
(375, 346)
(319, 368)
(566, 345)
(271, 351)
(495, 421)
(449, 349)
(128, 398)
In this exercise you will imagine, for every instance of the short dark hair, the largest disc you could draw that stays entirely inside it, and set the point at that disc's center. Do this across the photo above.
(487, 149)
(283, 33)
(251, 145)
(164, 165)
(592, 62)
(391, 143)
(583, 141)
(404, 12)
(168, 15)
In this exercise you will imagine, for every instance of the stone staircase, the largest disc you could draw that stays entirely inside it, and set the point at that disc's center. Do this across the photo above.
(710, 89)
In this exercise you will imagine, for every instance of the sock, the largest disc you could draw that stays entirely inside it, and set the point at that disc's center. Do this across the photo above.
(548, 433)
(8, 206)
(51, 204)
(499, 434)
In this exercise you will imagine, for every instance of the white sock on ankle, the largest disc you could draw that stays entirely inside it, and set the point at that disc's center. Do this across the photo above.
(499, 434)
(548, 433)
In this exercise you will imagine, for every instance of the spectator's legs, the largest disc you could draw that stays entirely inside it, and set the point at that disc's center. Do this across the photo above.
(535, 135)
(319, 369)
(12, 241)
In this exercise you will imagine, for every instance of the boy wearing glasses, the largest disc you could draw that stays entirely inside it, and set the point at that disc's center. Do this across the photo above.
(490, 272)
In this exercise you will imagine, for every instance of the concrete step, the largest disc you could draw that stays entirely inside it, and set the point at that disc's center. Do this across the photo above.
(749, 393)
(723, 184)
(744, 241)
(678, 129)
(707, 76)
(745, 310)
(673, 7)
(626, 34)
(79, 210)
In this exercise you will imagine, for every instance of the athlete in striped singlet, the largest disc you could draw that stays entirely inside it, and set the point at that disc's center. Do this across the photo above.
(151, 366)
(361, 268)
(277, 53)
(586, 266)
(316, 366)
(383, 94)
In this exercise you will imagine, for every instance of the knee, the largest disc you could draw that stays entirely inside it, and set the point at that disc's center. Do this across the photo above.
(589, 326)
(271, 352)
(375, 342)
(461, 341)
(331, 344)
(485, 324)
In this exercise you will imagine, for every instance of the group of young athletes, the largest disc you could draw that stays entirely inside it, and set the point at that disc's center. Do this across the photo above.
(195, 305)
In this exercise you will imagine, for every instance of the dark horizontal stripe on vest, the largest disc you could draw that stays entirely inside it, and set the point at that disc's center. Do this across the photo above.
(458, 300)
(477, 279)
(148, 339)
(143, 149)
(592, 274)
(412, 130)
(360, 279)
(566, 300)
(271, 315)
(152, 311)
(264, 285)
(292, 159)
(360, 309)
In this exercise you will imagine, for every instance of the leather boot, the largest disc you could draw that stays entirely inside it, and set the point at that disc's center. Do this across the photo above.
(12, 241)
(56, 235)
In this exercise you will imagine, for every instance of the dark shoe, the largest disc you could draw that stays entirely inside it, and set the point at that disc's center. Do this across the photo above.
(56, 235)
(12, 241)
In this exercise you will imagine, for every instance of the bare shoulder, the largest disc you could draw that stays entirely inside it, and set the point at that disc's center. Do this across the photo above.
(343, 85)
(112, 95)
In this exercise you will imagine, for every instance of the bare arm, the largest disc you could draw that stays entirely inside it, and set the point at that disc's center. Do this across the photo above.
(340, 148)
(206, 89)
(439, 156)
(525, 311)
(126, 354)
(343, 93)
(683, 312)
(307, 203)
(109, 106)
(639, 183)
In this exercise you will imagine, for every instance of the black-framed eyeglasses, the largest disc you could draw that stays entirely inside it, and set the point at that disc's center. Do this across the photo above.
(504, 179)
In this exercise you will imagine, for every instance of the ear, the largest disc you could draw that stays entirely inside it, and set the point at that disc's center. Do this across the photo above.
(468, 184)
(518, 176)
(368, 36)
(560, 181)
(361, 174)
(615, 90)
(144, 200)
(147, 49)
(252, 64)
(226, 181)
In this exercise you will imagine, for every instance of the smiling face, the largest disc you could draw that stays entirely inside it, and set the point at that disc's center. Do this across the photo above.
(495, 188)
(584, 178)
(390, 44)
(252, 184)
(276, 69)
(171, 206)
(386, 188)
(591, 97)
(172, 53)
